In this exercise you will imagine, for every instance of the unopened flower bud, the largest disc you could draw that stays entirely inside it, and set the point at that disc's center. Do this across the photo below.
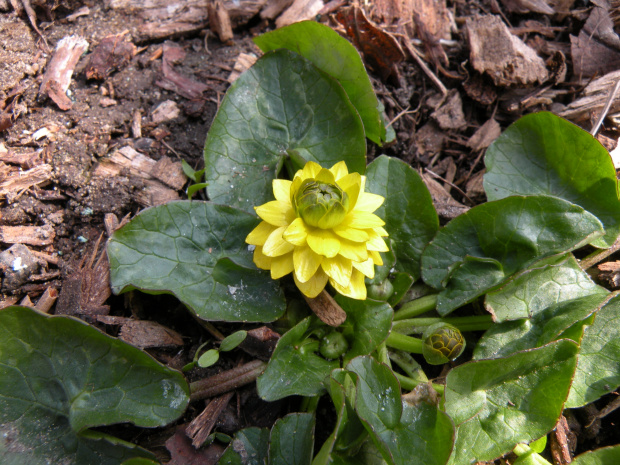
(442, 343)
(320, 204)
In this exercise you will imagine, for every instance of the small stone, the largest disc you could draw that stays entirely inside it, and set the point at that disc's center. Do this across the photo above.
(17, 264)
(166, 111)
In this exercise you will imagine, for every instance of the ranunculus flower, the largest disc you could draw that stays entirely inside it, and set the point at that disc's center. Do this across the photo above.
(321, 227)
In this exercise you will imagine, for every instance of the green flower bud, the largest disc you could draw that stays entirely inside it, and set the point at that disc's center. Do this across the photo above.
(442, 343)
(382, 291)
(333, 345)
(320, 204)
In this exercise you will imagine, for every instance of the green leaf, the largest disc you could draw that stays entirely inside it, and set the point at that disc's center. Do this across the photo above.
(196, 251)
(60, 376)
(249, 447)
(294, 367)
(191, 190)
(481, 249)
(400, 430)
(232, 341)
(598, 368)
(544, 154)
(282, 104)
(335, 56)
(545, 326)
(551, 281)
(367, 325)
(209, 358)
(402, 283)
(408, 211)
(292, 440)
(498, 403)
(603, 456)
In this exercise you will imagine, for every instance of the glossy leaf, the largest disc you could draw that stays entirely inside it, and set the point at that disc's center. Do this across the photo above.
(481, 249)
(196, 251)
(545, 326)
(209, 358)
(367, 325)
(249, 447)
(400, 431)
(408, 211)
(233, 340)
(551, 281)
(544, 154)
(598, 368)
(402, 283)
(60, 376)
(281, 105)
(292, 440)
(602, 456)
(498, 403)
(295, 368)
(333, 55)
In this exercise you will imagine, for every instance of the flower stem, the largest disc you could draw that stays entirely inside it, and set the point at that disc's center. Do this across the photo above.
(463, 323)
(409, 344)
(416, 307)
(523, 450)
(410, 384)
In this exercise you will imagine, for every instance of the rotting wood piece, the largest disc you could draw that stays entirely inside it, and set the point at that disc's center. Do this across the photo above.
(16, 182)
(58, 74)
(219, 20)
(200, 427)
(146, 334)
(501, 55)
(594, 97)
(112, 53)
(31, 235)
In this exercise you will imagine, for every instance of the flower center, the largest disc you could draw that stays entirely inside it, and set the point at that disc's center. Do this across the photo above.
(321, 204)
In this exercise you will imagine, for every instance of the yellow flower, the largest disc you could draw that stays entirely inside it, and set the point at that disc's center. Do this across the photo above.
(321, 227)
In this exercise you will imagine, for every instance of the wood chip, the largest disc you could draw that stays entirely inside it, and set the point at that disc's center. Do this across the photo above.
(58, 74)
(298, 11)
(18, 181)
(594, 97)
(445, 205)
(175, 82)
(484, 135)
(242, 64)
(146, 334)
(501, 55)
(200, 427)
(112, 53)
(31, 235)
(326, 308)
(274, 7)
(219, 20)
(449, 115)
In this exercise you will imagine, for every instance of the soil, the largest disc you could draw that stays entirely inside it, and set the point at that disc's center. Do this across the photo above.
(75, 203)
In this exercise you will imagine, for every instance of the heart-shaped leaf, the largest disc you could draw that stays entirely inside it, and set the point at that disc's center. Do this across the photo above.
(499, 403)
(602, 456)
(400, 430)
(196, 251)
(333, 55)
(408, 211)
(554, 280)
(482, 248)
(292, 440)
(60, 376)
(598, 368)
(281, 105)
(544, 154)
(545, 326)
(295, 368)
(250, 446)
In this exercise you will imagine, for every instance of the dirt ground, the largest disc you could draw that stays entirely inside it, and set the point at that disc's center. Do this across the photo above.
(74, 162)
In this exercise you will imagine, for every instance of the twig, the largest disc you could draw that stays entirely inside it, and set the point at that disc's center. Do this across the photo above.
(416, 56)
(599, 256)
(226, 381)
(601, 117)
(451, 184)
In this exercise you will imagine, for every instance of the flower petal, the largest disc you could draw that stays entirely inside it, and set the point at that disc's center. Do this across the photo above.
(339, 170)
(376, 242)
(346, 232)
(367, 268)
(325, 176)
(276, 213)
(355, 251)
(362, 220)
(310, 170)
(356, 288)
(314, 285)
(259, 235)
(296, 232)
(368, 202)
(306, 263)
(281, 266)
(275, 245)
(376, 257)
(261, 260)
(323, 242)
(282, 190)
(338, 269)
(379, 230)
(352, 185)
